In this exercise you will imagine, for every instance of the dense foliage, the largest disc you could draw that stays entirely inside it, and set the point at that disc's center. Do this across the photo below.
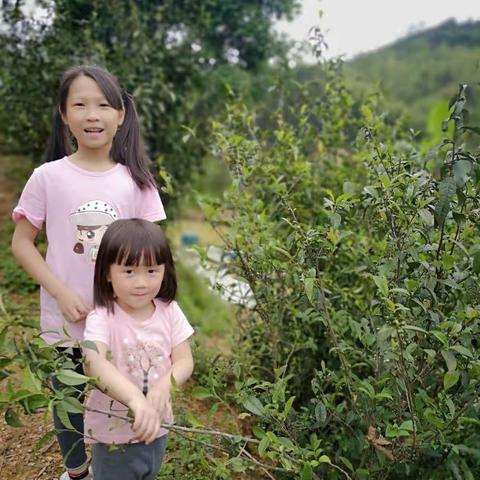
(164, 53)
(360, 359)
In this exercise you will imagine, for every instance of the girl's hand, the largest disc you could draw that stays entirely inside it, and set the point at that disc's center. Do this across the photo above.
(147, 420)
(159, 395)
(72, 306)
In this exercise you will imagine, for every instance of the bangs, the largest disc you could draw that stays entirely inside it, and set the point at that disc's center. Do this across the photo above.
(140, 251)
(107, 85)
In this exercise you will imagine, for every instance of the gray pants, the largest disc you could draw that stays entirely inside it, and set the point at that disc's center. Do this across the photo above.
(135, 461)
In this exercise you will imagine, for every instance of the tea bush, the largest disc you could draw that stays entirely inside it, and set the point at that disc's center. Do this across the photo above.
(360, 359)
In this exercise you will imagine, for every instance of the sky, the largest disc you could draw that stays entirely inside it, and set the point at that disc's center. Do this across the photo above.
(355, 26)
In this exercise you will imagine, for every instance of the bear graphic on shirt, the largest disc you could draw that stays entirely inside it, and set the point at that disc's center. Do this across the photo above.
(91, 220)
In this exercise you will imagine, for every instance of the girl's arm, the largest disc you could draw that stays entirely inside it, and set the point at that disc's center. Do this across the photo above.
(182, 368)
(114, 384)
(72, 306)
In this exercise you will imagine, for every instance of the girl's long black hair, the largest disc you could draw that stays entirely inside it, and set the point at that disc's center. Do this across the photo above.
(127, 147)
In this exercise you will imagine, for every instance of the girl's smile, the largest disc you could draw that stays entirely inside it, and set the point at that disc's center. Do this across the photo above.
(90, 117)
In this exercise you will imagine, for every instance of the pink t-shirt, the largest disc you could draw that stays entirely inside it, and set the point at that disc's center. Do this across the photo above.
(141, 351)
(77, 206)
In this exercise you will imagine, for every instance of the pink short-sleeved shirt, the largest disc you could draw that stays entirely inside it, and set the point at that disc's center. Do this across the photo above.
(77, 205)
(141, 351)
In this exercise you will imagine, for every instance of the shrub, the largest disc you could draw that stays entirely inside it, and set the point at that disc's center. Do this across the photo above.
(360, 359)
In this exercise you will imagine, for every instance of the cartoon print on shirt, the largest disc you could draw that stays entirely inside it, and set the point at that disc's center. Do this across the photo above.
(91, 219)
(141, 358)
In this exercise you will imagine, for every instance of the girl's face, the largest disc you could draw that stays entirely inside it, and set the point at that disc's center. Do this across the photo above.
(135, 287)
(91, 119)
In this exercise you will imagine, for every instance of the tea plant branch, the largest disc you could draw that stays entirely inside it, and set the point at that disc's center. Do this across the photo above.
(334, 338)
(179, 428)
(250, 458)
(410, 400)
(438, 270)
(457, 233)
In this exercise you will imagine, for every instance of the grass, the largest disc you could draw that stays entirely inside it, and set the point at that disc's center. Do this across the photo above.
(210, 315)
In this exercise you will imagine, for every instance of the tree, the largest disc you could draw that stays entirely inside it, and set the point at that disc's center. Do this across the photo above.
(163, 52)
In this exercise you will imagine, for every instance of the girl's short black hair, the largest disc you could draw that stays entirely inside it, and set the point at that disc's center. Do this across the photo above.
(132, 242)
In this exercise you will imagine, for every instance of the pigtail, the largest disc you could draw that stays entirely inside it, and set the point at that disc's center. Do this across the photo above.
(128, 148)
(59, 143)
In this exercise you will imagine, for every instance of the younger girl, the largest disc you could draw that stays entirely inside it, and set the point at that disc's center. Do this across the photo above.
(96, 172)
(141, 339)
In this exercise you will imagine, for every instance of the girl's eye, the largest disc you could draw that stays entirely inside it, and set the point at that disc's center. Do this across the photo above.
(128, 272)
(105, 105)
(78, 104)
(152, 270)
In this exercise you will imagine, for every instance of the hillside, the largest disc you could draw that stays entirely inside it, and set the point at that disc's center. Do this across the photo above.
(419, 71)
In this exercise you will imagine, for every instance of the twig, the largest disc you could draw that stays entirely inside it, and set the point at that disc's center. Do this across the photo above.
(179, 428)
(243, 452)
(254, 460)
(41, 472)
(48, 447)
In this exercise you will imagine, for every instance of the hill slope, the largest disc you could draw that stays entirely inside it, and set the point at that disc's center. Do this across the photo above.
(423, 69)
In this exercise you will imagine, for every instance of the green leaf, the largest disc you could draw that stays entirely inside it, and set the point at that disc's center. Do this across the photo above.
(385, 393)
(367, 388)
(335, 220)
(324, 459)
(309, 283)
(320, 412)
(72, 378)
(258, 432)
(192, 420)
(12, 418)
(307, 472)
(61, 411)
(288, 406)
(440, 336)
(391, 431)
(450, 379)
(35, 402)
(30, 382)
(447, 190)
(414, 328)
(426, 216)
(461, 169)
(347, 463)
(286, 442)
(88, 344)
(463, 351)
(201, 393)
(73, 405)
(263, 445)
(407, 425)
(381, 283)
(254, 405)
(450, 360)
(3, 337)
(476, 262)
